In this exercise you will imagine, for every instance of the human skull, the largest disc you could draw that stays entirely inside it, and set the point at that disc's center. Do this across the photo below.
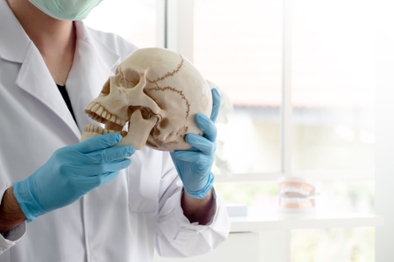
(152, 99)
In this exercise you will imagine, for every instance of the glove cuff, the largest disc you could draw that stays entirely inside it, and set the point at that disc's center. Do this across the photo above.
(200, 194)
(27, 201)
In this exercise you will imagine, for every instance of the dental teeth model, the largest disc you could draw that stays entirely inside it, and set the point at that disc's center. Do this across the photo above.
(297, 195)
(152, 99)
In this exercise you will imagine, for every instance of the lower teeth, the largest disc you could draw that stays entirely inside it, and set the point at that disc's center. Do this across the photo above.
(100, 130)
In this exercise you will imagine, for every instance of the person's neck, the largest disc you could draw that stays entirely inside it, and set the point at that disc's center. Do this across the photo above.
(55, 39)
(47, 33)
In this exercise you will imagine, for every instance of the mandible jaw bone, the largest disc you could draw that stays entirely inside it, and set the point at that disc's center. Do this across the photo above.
(152, 99)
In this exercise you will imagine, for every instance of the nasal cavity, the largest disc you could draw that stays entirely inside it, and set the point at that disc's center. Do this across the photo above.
(132, 77)
(105, 91)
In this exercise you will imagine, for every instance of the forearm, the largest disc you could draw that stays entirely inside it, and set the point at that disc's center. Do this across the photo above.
(10, 213)
(198, 210)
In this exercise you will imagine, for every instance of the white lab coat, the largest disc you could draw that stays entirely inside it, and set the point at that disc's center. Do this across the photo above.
(124, 220)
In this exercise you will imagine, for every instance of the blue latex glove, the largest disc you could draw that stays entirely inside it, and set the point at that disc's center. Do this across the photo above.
(194, 165)
(70, 173)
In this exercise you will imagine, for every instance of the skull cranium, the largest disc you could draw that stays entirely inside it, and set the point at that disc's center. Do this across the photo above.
(158, 93)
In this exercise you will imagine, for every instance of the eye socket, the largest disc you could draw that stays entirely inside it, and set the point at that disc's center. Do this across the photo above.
(164, 123)
(132, 77)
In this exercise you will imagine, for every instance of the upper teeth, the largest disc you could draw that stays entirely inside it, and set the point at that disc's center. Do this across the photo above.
(294, 190)
(101, 111)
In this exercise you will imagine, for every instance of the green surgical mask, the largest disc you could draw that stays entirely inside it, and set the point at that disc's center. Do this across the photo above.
(66, 9)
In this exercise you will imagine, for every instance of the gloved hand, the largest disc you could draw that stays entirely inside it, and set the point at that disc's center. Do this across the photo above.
(70, 173)
(194, 165)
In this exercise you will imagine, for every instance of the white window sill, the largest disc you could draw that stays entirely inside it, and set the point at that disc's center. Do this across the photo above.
(270, 219)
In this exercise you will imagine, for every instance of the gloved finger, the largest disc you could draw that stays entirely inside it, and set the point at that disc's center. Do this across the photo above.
(98, 143)
(98, 169)
(192, 157)
(105, 178)
(97, 180)
(109, 154)
(201, 143)
(215, 104)
(207, 126)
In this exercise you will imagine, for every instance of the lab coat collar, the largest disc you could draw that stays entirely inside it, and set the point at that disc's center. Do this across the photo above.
(93, 63)
(33, 76)
(107, 56)
(13, 40)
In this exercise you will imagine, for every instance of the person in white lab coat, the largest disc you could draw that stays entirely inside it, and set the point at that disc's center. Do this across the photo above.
(88, 201)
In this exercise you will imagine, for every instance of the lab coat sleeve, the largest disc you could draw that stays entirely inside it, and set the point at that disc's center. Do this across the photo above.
(176, 236)
(10, 238)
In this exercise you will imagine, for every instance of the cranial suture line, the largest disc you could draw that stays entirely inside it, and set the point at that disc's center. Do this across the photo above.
(157, 113)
